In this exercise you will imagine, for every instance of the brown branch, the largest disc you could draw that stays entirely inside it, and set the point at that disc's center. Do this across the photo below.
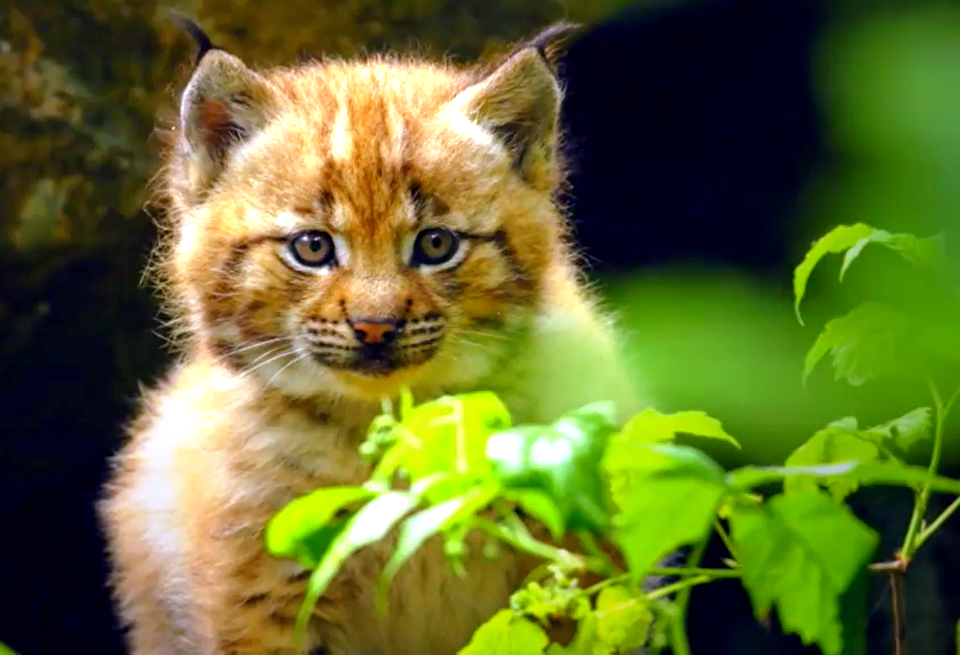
(896, 577)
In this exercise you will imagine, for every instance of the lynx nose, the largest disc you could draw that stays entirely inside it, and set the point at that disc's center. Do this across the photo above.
(376, 332)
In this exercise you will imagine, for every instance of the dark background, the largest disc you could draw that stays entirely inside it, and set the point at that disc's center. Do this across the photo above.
(695, 130)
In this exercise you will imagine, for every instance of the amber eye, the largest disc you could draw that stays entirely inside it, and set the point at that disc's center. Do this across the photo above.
(313, 248)
(435, 246)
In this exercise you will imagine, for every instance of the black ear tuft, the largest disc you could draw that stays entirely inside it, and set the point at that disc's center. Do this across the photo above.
(191, 27)
(550, 42)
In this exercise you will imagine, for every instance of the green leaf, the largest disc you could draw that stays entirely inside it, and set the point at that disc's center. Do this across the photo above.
(864, 473)
(553, 600)
(433, 520)
(623, 618)
(865, 343)
(837, 240)
(367, 526)
(667, 494)
(652, 426)
(6, 650)
(829, 446)
(300, 530)
(853, 239)
(561, 459)
(908, 429)
(507, 634)
(930, 251)
(450, 434)
(801, 552)
(540, 506)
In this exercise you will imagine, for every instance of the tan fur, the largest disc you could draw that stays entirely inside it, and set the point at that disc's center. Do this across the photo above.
(249, 419)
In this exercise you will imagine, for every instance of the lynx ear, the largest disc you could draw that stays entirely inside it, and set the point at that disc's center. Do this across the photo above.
(224, 104)
(519, 103)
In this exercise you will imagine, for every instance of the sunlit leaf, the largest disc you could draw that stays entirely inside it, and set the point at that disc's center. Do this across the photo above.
(298, 531)
(865, 343)
(450, 434)
(800, 553)
(623, 618)
(369, 525)
(433, 520)
(837, 443)
(837, 240)
(507, 634)
(561, 459)
(651, 426)
(667, 495)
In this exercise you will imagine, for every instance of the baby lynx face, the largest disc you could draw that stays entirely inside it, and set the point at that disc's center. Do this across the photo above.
(355, 227)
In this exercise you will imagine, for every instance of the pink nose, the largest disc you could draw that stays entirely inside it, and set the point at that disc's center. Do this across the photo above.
(376, 332)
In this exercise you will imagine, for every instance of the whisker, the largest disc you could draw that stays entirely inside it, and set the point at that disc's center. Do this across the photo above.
(285, 353)
(284, 368)
(267, 342)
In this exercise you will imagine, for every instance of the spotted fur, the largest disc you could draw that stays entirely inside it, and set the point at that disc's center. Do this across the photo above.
(274, 388)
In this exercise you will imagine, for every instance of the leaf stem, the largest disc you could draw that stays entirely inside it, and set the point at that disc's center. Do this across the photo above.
(593, 549)
(678, 627)
(679, 586)
(725, 538)
(928, 531)
(911, 541)
(528, 544)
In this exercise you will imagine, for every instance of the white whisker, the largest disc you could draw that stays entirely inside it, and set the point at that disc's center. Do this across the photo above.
(285, 367)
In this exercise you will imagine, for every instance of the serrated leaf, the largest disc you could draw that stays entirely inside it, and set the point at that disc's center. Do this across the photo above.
(667, 496)
(865, 343)
(864, 473)
(369, 525)
(800, 553)
(930, 251)
(293, 531)
(908, 429)
(540, 506)
(507, 634)
(829, 446)
(623, 618)
(836, 240)
(425, 524)
(650, 426)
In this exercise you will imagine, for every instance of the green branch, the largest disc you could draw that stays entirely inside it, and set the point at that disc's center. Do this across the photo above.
(912, 540)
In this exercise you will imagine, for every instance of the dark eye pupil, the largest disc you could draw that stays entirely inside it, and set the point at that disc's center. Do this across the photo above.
(436, 241)
(312, 249)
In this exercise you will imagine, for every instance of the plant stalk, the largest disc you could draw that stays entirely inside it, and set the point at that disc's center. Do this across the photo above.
(678, 627)
(911, 542)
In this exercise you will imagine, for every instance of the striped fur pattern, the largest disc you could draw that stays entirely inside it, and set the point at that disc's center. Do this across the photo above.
(298, 203)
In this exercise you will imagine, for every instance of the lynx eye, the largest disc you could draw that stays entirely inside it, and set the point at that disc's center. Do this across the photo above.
(435, 246)
(313, 248)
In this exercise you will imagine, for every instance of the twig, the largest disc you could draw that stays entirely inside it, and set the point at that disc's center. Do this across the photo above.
(927, 532)
(897, 602)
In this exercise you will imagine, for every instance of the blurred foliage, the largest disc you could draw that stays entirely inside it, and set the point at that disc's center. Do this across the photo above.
(888, 85)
